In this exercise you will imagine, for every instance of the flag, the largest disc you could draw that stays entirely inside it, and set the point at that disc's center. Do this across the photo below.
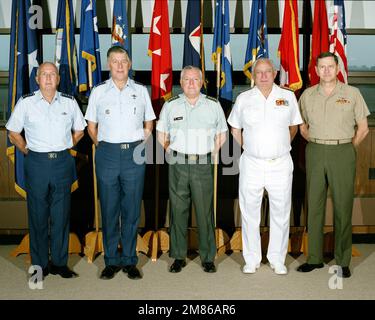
(159, 49)
(290, 75)
(338, 40)
(193, 43)
(320, 38)
(89, 47)
(221, 45)
(257, 42)
(23, 63)
(120, 31)
(66, 53)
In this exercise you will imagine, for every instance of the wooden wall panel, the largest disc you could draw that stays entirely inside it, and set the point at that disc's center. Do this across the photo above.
(4, 166)
(372, 160)
(364, 154)
(6, 170)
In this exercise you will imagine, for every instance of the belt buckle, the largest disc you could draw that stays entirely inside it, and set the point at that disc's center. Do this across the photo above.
(332, 142)
(124, 146)
(193, 157)
(52, 155)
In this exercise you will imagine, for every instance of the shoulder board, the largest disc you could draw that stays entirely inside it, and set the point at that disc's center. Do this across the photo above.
(211, 98)
(66, 95)
(99, 84)
(28, 95)
(140, 84)
(286, 88)
(173, 98)
(243, 91)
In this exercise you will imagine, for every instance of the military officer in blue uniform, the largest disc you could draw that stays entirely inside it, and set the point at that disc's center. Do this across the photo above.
(192, 128)
(53, 123)
(120, 117)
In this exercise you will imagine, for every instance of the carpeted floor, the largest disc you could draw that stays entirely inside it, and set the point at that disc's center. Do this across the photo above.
(192, 283)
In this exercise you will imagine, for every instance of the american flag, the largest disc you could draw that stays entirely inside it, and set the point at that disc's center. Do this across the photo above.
(338, 40)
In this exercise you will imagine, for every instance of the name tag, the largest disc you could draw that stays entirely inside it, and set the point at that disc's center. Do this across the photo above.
(178, 118)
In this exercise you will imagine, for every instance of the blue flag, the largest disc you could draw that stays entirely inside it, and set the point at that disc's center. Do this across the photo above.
(193, 42)
(23, 64)
(193, 31)
(257, 42)
(89, 47)
(221, 45)
(66, 53)
(120, 31)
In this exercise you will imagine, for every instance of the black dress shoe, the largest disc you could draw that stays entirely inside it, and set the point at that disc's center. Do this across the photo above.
(346, 272)
(177, 266)
(45, 272)
(63, 271)
(132, 271)
(307, 267)
(109, 272)
(209, 267)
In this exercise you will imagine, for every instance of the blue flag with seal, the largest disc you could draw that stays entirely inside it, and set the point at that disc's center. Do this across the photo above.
(66, 53)
(23, 65)
(257, 42)
(221, 45)
(120, 31)
(89, 54)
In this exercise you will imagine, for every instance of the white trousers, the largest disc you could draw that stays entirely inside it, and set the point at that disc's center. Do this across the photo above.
(276, 177)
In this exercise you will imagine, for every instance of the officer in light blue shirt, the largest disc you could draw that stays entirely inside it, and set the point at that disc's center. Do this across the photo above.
(120, 117)
(53, 123)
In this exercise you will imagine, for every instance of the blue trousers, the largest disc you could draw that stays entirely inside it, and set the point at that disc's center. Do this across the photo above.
(120, 184)
(48, 179)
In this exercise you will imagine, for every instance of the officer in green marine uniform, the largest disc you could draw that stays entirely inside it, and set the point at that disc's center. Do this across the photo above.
(335, 122)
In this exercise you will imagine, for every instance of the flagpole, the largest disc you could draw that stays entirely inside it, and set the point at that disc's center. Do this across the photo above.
(252, 73)
(93, 239)
(89, 68)
(220, 235)
(93, 160)
(218, 67)
(95, 190)
(202, 50)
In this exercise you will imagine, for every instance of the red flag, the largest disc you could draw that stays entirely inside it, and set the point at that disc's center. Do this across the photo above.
(320, 38)
(338, 40)
(159, 48)
(290, 75)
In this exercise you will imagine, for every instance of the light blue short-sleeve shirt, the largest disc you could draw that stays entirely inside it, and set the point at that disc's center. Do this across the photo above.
(120, 113)
(48, 126)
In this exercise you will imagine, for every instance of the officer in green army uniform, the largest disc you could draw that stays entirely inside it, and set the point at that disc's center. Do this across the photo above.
(192, 128)
(335, 122)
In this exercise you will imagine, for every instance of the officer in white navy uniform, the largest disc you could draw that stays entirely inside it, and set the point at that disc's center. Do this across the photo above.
(53, 123)
(268, 116)
(120, 117)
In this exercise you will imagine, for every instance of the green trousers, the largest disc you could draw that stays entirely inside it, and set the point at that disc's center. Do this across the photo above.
(333, 166)
(191, 182)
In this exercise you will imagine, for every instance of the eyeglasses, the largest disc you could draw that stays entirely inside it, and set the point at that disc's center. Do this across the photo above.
(191, 79)
(48, 74)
